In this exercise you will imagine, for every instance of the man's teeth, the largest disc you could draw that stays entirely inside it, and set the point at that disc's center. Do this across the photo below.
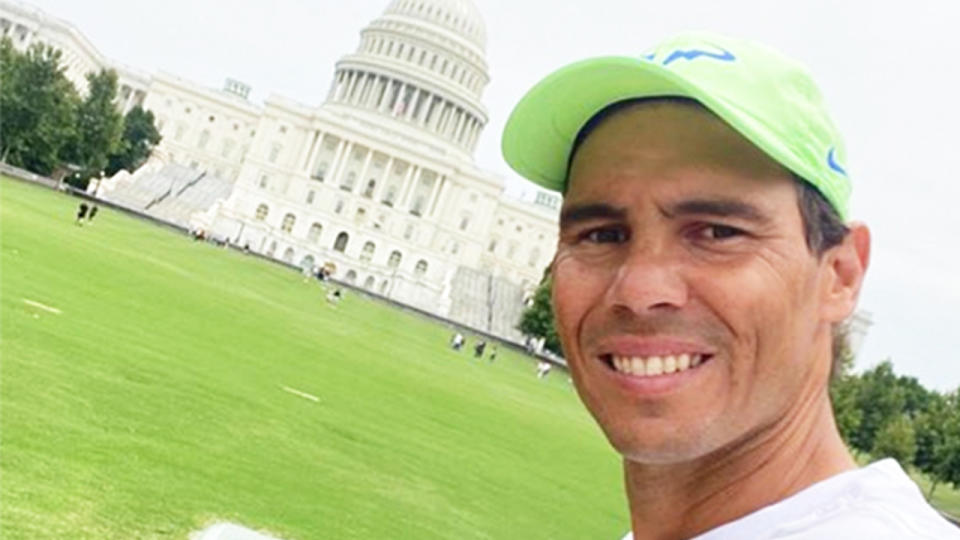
(655, 365)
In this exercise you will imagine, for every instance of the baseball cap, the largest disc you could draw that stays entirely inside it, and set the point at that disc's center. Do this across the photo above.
(768, 98)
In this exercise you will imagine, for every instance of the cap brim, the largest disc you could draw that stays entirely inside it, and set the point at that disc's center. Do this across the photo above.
(539, 134)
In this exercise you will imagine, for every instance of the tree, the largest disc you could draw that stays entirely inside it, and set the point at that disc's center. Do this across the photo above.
(938, 441)
(844, 389)
(39, 106)
(896, 439)
(98, 127)
(880, 400)
(140, 135)
(537, 320)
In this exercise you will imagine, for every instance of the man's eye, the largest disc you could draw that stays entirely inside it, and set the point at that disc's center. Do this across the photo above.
(605, 236)
(720, 232)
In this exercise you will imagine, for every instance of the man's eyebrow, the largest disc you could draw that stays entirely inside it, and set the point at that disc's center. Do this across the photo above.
(717, 207)
(584, 212)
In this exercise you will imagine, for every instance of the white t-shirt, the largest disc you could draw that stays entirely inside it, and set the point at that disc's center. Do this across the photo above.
(879, 502)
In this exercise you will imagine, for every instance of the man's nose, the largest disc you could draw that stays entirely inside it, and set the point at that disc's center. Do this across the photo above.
(649, 279)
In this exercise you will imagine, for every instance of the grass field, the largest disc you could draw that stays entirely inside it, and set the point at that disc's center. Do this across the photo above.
(142, 397)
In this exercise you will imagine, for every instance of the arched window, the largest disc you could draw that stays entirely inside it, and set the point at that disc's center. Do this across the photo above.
(368, 191)
(367, 253)
(288, 256)
(351, 277)
(272, 249)
(421, 268)
(307, 262)
(395, 258)
(262, 212)
(288, 221)
(383, 286)
(368, 283)
(340, 244)
(314, 233)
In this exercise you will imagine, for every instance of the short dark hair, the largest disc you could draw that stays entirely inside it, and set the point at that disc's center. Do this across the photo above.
(823, 228)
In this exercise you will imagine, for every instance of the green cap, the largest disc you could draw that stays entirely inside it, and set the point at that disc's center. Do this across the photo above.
(768, 98)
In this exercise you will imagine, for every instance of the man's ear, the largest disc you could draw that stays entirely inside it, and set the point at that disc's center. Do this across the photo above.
(845, 267)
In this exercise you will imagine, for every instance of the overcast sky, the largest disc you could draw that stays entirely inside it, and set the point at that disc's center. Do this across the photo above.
(889, 71)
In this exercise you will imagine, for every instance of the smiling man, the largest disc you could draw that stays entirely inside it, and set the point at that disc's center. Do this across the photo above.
(703, 270)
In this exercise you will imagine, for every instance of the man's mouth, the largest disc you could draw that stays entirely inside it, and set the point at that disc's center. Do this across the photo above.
(653, 366)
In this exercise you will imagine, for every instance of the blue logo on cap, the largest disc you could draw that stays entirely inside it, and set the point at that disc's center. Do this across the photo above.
(832, 162)
(693, 54)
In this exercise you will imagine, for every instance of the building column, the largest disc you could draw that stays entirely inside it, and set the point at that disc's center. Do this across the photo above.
(427, 101)
(362, 180)
(385, 99)
(412, 105)
(408, 183)
(378, 193)
(312, 156)
(435, 196)
(342, 151)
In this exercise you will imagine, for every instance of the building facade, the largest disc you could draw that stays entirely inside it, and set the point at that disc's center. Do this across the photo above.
(379, 179)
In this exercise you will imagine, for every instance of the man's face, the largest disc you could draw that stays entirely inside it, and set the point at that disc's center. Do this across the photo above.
(682, 249)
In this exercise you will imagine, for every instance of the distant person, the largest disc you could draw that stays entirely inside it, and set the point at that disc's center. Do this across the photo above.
(81, 212)
(543, 369)
(93, 212)
(456, 342)
(334, 296)
(704, 270)
(493, 353)
(478, 349)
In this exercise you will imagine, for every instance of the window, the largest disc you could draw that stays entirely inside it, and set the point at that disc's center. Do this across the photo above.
(340, 244)
(263, 181)
(391, 196)
(310, 195)
(227, 148)
(180, 131)
(339, 207)
(262, 212)
(274, 153)
(204, 139)
(368, 283)
(351, 277)
(288, 221)
(408, 232)
(288, 256)
(321, 171)
(368, 191)
(464, 222)
(492, 246)
(418, 205)
(421, 268)
(367, 253)
(272, 249)
(307, 263)
(348, 181)
(383, 286)
(395, 258)
(313, 234)
(360, 216)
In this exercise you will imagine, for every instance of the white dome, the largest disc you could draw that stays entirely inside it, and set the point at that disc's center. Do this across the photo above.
(459, 16)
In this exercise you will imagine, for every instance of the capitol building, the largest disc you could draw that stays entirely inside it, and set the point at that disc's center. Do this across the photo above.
(378, 179)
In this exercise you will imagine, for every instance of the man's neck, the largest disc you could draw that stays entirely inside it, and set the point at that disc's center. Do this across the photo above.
(684, 500)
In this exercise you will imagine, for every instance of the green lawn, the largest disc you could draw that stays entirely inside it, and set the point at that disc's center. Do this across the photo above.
(152, 403)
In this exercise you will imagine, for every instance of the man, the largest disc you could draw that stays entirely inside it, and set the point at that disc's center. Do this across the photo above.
(703, 270)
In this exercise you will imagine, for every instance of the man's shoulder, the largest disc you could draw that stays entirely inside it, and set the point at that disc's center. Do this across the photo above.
(878, 502)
